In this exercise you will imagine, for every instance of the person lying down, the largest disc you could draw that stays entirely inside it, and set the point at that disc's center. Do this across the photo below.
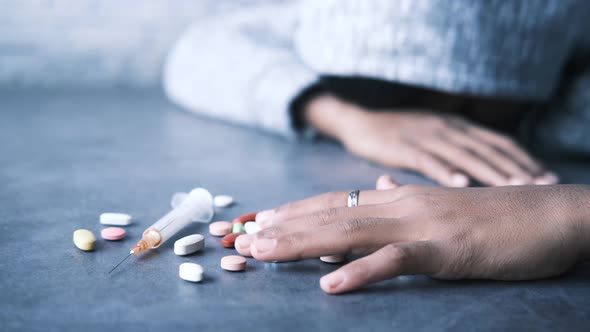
(463, 93)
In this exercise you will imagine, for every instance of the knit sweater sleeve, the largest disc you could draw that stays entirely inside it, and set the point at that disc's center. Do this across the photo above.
(241, 68)
(564, 128)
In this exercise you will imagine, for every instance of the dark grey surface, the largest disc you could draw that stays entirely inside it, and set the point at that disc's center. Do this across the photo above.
(67, 157)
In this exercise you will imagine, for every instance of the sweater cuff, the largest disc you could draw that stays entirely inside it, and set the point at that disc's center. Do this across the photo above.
(278, 92)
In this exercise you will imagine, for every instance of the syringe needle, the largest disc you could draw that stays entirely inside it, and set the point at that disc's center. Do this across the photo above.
(121, 262)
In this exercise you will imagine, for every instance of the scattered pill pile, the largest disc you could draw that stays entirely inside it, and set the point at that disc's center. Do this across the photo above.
(229, 231)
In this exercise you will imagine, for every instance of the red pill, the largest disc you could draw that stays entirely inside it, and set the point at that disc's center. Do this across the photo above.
(244, 218)
(229, 240)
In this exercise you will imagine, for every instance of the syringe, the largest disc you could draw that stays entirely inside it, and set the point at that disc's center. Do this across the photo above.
(197, 206)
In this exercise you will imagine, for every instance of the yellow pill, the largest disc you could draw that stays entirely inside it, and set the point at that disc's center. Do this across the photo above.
(84, 239)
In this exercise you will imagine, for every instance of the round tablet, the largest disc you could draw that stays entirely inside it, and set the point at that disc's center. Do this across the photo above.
(334, 259)
(229, 240)
(222, 201)
(190, 272)
(220, 228)
(233, 263)
(189, 244)
(251, 227)
(113, 233)
(84, 239)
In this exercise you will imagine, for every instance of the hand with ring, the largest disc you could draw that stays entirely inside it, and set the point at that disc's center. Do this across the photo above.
(502, 233)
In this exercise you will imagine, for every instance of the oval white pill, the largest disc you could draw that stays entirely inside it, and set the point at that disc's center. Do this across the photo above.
(334, 259)
(190, 272)
(251, 227)
(115, 219)
(189, 244)
(177, 199)
(222, 201)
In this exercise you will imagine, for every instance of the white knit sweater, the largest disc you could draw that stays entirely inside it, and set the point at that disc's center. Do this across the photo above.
(248, 66)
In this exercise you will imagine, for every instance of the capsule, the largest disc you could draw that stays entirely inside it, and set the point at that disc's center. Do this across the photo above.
(244, 218)
(229, 240)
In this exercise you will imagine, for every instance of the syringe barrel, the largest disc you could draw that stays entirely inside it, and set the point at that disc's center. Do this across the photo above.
(197, 206)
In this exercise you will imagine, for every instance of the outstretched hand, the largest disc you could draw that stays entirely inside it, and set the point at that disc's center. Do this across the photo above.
(504, 233)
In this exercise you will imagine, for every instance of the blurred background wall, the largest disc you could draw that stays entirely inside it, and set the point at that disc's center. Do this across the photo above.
(94, 43)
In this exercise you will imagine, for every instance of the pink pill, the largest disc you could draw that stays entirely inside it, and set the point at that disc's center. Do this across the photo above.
(233, 263)
(113, 233)
(220, 228)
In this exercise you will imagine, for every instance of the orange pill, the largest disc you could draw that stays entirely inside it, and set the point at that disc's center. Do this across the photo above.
(244, 218)
(229, 240)
(233, 263)
(220, 228)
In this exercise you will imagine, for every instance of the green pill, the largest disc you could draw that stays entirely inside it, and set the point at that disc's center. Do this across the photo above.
(238, 228)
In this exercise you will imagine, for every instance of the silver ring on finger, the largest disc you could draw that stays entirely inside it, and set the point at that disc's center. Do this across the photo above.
(353, 198)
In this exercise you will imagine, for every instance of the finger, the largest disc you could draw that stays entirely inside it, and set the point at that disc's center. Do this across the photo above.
(338, 238)
(517, 174)
(433, 167)
(390, 261)
(321, 202)
(312, 221)
(385, 182)
(511, 148)
(467, 162)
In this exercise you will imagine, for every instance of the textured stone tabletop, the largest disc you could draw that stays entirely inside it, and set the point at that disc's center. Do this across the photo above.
(67, 157)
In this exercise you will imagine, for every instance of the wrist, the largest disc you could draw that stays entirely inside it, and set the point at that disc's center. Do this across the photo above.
(332, 116)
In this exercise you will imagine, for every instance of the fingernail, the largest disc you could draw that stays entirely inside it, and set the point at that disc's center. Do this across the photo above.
(546, 179)
(459, 180)
(263, 217)
(332, 280)
(243, 241)
(516, 182)
(264, 245)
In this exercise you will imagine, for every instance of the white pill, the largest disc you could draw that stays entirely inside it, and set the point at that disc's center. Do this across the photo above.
(190, 272)
(115, 219)
(177, 199)
(222, 201)
(189, 244)
(335, 259)
(251, 227)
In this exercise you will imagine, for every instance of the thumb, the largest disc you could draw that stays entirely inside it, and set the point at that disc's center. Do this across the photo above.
(390, 261)
(385, 182)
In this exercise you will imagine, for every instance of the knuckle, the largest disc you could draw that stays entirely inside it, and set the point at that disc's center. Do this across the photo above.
(325, 217)
(270, 232)
(359, 272)
(506, 141)
(408, 189)
(421, 160)
(291, 240)
(350, 228)
(335, 198)
(285, 208)
(395, 254)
